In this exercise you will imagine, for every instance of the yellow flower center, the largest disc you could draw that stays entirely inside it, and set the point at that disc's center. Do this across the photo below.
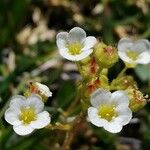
(132, 55)
(27, 115)
(74, 48)
(107, 112)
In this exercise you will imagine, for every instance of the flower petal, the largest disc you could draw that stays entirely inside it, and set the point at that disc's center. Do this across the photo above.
(44, 89)
(144, 58)
(84, 54)
(11, 116)
(62, 39)
(99, 97)
(120, 98)
(124, 44)
(76, 34)
(89, 42)
(141, 45)
(94, 118)
(124, 115)
(17, 102)
(23, 129)
(123, 56)
(113, 127)
(43, 119)
(35, 101)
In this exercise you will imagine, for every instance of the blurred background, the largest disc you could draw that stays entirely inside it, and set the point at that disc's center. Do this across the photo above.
(28, 52)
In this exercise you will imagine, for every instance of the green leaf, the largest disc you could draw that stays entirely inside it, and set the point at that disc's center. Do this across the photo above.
(143, 72)
(66, 94)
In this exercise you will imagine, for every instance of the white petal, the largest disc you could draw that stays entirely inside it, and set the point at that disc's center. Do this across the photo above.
(12, 116)
(124, 115)
(144, 58)
(94, 118)
(23, 129)
(141, 45)
(99, 97)
(113, 127)
(124, 44)
(44, 89)
(43, 119)
(89, 42)
(76, 35)
(17, 102)
(62, 39)
(35, 101)
(84, 54)
(120, 98)
(123, 56)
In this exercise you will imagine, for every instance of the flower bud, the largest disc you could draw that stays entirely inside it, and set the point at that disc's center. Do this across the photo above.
(122, 83)
(136, 99)
(105, 55)
(89, 68)
(95, 83)
(40, 89)
(104, 72)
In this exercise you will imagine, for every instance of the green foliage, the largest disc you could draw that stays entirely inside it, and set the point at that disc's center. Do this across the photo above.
(107, 140)
(12, 14)
(143, 72)
(66, 94)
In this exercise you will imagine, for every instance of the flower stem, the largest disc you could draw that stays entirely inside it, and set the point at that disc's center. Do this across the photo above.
(76, 126)
(122, 72)
(59, 126)
(79, 66)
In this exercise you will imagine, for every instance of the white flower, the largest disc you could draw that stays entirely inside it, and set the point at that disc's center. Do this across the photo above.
(134, 52)
(75, 45)
(110, 110)
(43, 89)
(27, 114)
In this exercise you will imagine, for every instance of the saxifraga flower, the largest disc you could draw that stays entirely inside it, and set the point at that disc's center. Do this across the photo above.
(74, 45)
(27, 114)
(109, 110)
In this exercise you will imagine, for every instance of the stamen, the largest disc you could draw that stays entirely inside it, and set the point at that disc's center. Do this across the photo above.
(74, 48)
(27, 115)
(133, 55)
(107, 112)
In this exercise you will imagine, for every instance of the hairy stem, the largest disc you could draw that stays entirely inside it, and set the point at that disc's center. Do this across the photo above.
(73, 132)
